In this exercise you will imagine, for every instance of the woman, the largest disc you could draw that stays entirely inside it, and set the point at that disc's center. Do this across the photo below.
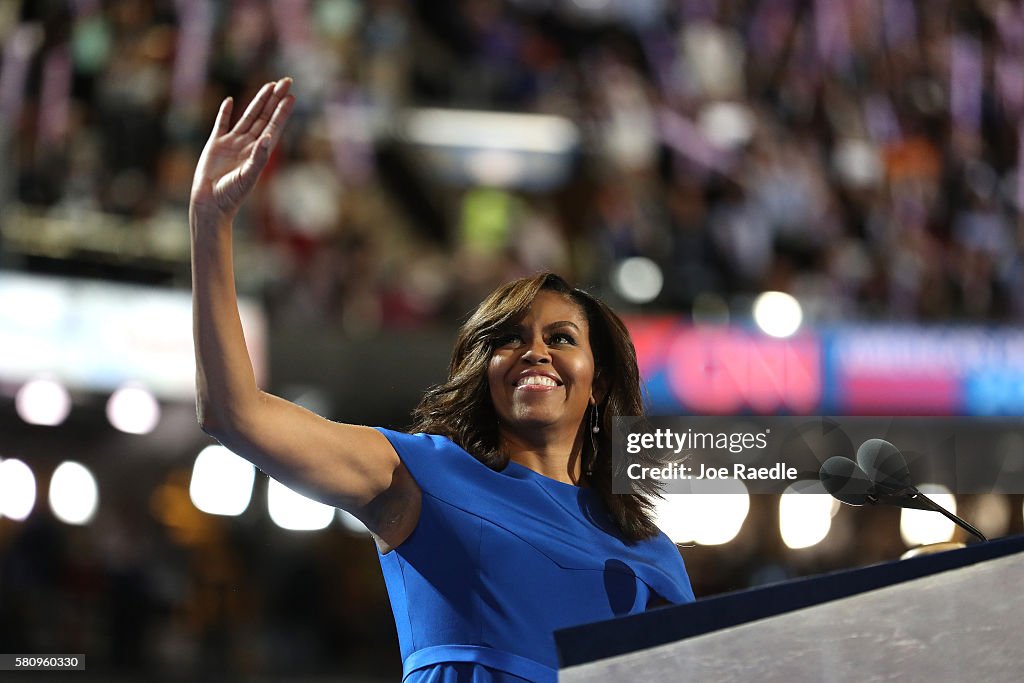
(496, 523)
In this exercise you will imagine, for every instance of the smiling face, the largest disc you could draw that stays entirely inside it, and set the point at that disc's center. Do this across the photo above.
(541, 373)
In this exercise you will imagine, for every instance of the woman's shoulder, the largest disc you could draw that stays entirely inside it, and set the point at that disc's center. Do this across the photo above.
(420, 442)
(435, 461)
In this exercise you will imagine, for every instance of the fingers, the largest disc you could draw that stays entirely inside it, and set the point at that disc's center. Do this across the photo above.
(279, 102)
(281, 87)
(220, 126)
(252, 112)
(277, 120)
(266, 103)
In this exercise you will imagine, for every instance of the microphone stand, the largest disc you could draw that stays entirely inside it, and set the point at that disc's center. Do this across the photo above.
(910, 493)
(963, 524)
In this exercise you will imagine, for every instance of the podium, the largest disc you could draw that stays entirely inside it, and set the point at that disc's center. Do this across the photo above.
(952, 616)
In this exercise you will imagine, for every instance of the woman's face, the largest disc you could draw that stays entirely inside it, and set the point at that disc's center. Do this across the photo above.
(541, 373)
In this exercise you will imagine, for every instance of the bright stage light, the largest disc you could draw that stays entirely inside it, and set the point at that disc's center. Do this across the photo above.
(74, 495)
(17, 489)
(538, 133)
(805, 518)
(673, 515)
(221, 482)
(43, 401)
(638, 279)
(133, 409)
(919, 527)
(294, 511)
(704, 518)
(778, 314)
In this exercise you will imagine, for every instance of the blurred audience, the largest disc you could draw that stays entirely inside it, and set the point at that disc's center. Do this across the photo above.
(862, 156)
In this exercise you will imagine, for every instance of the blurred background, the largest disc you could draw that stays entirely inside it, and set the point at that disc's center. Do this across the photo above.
(801, 207)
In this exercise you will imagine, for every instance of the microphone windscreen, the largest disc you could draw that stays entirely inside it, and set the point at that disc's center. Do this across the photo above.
(884, 463)
(845, 480)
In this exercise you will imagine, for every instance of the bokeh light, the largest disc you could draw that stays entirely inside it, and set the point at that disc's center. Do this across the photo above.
(704, 518)
(133, 409)
(74, 495)
(17, 489)
(43, 401)
(778, 314)
(920, 527)
(294, 511)
(638, 279)
(805, 518)
(221, 482)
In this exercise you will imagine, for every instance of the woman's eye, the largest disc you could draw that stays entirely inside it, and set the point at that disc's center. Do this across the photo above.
(507, 339)
(563, 338)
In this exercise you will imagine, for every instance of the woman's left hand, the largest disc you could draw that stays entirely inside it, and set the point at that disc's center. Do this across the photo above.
(234, 156)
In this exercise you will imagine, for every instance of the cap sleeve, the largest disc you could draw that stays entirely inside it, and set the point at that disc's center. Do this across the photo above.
(435, 462)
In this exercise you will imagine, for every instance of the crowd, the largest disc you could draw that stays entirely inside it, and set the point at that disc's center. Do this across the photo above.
(860, 155)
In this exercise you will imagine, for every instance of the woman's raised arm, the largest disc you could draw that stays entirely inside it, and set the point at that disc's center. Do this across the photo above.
(348, 466)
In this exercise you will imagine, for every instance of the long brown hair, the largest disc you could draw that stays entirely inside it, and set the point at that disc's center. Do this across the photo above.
(461, 408)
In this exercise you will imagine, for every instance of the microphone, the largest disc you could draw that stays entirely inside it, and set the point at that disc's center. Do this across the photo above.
(884, 464)
(887, 468)
(850, 484)
(845, 481)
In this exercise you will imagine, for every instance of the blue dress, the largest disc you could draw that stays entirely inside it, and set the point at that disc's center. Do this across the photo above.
(500, 560)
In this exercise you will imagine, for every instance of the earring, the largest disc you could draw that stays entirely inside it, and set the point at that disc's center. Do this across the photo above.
(594, 429)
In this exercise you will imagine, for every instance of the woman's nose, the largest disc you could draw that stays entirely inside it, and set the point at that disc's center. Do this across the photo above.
(537, 352)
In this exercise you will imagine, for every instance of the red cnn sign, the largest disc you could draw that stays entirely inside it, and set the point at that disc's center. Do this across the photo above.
(721, 371)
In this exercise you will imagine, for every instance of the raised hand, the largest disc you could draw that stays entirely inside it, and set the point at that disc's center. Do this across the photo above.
(235, 156)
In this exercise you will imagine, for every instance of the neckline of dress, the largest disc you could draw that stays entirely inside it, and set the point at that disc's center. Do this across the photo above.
(513, 468)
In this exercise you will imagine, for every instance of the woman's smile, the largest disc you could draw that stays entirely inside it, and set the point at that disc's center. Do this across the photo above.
(531, 381)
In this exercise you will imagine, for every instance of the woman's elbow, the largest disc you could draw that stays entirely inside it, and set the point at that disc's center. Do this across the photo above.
(210, 422)
(228, 421)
